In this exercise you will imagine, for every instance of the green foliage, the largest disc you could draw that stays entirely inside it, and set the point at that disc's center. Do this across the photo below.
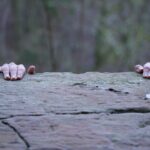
(28, 56)
(64, 32)
(121, 33)
(50, 5)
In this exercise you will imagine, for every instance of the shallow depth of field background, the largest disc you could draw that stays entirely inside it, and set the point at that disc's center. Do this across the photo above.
(75, 35)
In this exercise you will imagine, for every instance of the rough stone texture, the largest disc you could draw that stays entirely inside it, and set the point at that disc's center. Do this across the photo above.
(65, 111)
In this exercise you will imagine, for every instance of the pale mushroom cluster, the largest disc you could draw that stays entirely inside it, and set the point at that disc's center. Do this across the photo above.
(14, 72)
(145, 70)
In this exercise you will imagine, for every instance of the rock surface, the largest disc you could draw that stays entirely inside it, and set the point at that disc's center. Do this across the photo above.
(66, 111)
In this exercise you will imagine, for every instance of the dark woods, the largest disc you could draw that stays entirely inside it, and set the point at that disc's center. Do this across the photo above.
(75, 35)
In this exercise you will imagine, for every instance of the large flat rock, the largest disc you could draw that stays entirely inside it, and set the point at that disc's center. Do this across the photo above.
(66, 111)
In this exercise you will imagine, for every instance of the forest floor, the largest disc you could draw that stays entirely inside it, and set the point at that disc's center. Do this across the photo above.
(66, 111)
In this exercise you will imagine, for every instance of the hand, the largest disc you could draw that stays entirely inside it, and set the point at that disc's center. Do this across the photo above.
(145, 70)
(14, 72)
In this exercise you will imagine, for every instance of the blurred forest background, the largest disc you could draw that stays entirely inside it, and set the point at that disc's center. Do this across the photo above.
(75, 35)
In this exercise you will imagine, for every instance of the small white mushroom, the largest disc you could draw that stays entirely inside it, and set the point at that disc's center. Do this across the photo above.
(13, 70)
(21, 71)
(5, 70)
(146, 70)
(147, 97)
